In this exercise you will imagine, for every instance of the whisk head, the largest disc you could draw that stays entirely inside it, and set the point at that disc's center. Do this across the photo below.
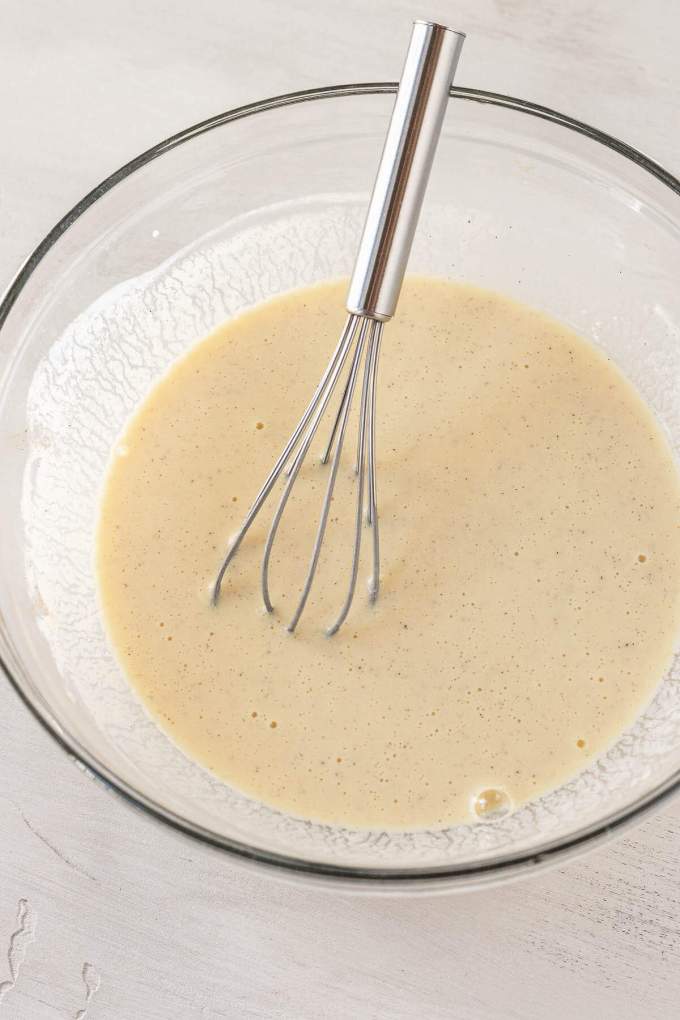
(359, 346)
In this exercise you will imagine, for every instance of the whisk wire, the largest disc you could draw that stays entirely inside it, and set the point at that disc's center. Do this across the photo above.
(325, 456)
(373, 332)
(345, 407)
(320, 402)
(372, 512)
(339, 355)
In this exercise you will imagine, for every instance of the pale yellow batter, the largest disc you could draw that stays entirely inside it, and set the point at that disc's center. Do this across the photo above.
(529, 511)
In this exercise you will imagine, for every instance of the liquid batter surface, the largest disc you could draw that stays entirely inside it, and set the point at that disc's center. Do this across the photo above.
(529, 511)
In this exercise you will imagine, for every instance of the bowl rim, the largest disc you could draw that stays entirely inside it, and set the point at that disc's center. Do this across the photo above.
(502, 866)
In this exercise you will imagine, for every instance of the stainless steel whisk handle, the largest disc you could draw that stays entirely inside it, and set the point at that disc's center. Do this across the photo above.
(404, 170)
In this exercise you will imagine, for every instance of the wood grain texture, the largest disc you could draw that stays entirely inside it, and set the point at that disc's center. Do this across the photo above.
(105, 915)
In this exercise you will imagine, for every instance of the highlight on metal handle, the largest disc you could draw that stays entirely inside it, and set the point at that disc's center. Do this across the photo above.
(404, 170)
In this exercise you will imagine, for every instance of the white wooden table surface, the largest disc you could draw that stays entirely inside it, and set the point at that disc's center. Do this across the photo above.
(105, 915)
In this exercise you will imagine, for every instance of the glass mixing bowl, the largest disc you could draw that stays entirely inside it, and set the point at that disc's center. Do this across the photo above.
(239, 208)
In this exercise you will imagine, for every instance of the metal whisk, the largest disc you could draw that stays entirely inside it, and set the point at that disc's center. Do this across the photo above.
(379, 269)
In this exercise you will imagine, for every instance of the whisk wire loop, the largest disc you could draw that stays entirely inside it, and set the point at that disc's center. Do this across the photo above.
(342, 418)
(338, 356)
(367, 398)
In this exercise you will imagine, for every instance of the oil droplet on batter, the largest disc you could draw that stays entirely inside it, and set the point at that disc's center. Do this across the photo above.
(492, 804)
(580, 743)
